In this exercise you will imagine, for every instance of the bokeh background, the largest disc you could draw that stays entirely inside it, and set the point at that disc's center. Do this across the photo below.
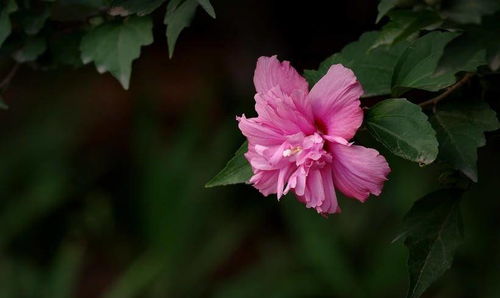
(102, 195)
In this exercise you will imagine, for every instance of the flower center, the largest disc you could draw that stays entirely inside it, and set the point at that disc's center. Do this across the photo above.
(306, 150)
(291, 151)
(320, 126)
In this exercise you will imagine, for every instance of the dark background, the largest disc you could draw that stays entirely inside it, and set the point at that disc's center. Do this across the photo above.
(101, 191)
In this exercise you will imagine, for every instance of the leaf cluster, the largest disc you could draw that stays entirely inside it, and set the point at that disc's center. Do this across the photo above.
(108, 33)
(426, 70)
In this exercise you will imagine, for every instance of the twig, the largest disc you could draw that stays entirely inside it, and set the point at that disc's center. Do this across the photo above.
(435, 100)
(6, 81)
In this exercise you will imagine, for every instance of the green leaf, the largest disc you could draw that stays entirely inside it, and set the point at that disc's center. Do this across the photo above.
(490, 32)
(405, 24)
(373, 67)
(5, 25)
(178, 16)
(465, 53)
(77, 10)
(433, 229)
(65, 49)
(478, 45)
(402, 127)
(33, 21)
(31, 50)
(62, 277)
(416, 67)
(384, 7)
(113, 46)
(207, 6)
(129, 7)
(469, 11)
(237, 170)
(3, 105)
(460, 128)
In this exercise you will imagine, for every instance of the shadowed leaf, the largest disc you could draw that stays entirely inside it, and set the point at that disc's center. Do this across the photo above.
(433, 230)
(113, 46)
(460, 128)
(373, 67)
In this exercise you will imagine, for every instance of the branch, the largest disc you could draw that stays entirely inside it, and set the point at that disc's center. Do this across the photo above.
(435, 100)
(6, 81)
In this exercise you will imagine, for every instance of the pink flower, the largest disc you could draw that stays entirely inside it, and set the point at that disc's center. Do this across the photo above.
(300, 139)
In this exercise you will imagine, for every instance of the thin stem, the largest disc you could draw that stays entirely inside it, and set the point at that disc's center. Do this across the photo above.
(6, 81)
(435, 100)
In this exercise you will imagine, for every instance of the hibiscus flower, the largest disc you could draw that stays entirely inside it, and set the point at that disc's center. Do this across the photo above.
(300, 140)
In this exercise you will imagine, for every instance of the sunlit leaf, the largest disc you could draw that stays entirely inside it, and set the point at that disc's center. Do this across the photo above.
(404, 129)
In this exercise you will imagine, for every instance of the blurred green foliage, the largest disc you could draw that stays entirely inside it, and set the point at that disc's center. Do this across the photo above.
(86, 220)
(106, 199)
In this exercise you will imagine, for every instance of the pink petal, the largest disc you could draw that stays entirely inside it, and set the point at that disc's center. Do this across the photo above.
(335, 102)
(330, 204)
(265, 181)
(283, 177)
(320, 192)
(259, 133)
(270, 73)
(358, 171)
(287, 113)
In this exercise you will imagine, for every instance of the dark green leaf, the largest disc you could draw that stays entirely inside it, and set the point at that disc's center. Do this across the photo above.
(139, 7)
(405, 24)
(384, 7)
(469, 11)
(373, 67)
(178, 16)
(460, 128)
(5, 26)
(65, 49)
(62, 279)
(207, 6)
(433, 230)
(32, 48)
(77, 10)
(3, 105)
(33, 21)
(416, 67)
(113, 46)
(237, 170)
(464, 53)
(478, 45)
(403, 128)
